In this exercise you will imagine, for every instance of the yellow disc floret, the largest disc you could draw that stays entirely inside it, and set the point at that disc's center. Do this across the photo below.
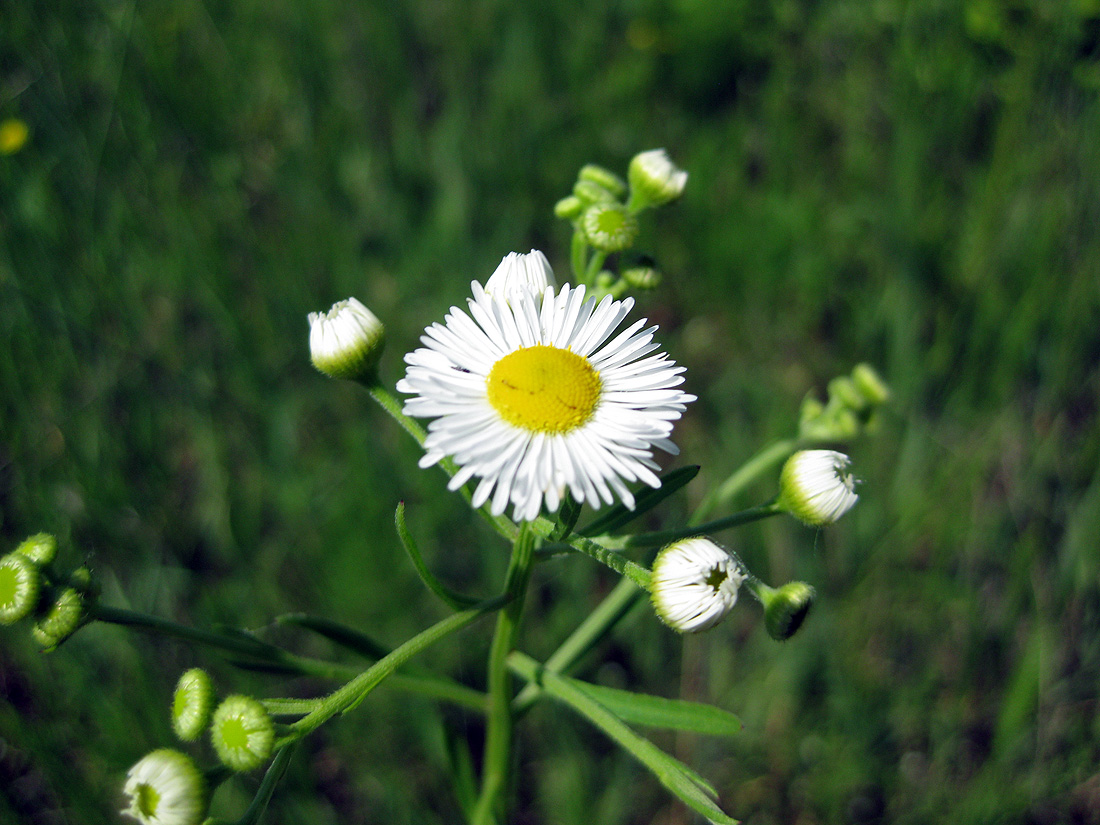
(544, 389)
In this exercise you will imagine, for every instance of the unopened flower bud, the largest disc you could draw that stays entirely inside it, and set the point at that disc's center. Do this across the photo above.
(609, 227)
(654, 179)
(785, 608)
(844, 390)
(816, 487)
(642, 277)
(192, 704)
(346, 341)
(516, 271)
(569, 208)
(694, 584)
(61, 621)
(242, 733)
(589, 193)
(40, 548)
(20, 584)
(166, 788)
(870, 385)
(605, 178)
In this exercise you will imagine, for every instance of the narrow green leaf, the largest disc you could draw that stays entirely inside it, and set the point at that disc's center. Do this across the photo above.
(462, 772)
(619, 516)
(659, 712)
(456, 601)
(342, 635)
(677, 777)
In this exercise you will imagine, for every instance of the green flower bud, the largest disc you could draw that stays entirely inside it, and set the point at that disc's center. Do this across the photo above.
(40, 548)
(569, 208)
(870, 385)
(785, 609)
(816, 488)
(166, 788)
(694, 584)
(844, 390)
(20, 584)
(605, 178)
(191, 704)
(61, 621)
(589, 193)
(654, 180)
(242, 733)
(609, 227)
(346, 341)
(642, 277)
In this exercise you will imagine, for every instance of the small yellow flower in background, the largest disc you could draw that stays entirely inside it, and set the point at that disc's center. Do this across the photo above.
(13, 135)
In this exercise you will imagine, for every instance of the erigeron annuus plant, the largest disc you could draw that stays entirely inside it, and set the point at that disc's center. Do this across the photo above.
(543, 397)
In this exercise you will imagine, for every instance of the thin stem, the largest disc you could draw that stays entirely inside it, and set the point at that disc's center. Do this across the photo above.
(764, 460)
(663, 537)
(595, 263)
(498, 742)
(267, 787)
(637, 573)
(577, 250)
(597, 624)
(347, 697)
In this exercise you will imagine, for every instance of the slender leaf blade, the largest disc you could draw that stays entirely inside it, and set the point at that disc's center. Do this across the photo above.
(456, 601)
(619, 516)
(659, 712)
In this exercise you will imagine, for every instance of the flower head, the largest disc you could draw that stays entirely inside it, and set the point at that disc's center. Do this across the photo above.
(816, 488)
(531, 272)
(346, 341)
(41, 548)
(654, 179)
(785, 608)
(539, 395)
(694, 584)
(165, 788)
(191, 704)
(20, 584)
(62, 620)
(242, 733)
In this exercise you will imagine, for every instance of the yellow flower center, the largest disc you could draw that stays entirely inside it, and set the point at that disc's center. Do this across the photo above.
(234, 734)
(146, 799)
(544, 389)
(9, 585)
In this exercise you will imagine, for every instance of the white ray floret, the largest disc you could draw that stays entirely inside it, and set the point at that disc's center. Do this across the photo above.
(541, 394)
(695, 583)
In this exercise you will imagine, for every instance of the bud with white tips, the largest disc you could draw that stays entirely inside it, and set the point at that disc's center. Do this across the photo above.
(816, 488)
(694, 584)
(166, 788)
(530, 271)
(654, 180)
(346, 341)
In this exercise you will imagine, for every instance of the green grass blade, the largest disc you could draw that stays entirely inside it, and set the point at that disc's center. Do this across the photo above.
(619, 516)
(456, 601)
(659, 712)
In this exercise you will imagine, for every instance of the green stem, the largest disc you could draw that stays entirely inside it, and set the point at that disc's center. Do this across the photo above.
(637, 573)
(577, 249)
(595, 263)
(498, 742)
(580, 641)
(769, 457)
(659, 539)
(346, 698)
(267, 787)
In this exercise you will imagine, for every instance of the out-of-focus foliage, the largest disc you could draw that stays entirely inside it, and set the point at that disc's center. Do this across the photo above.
(912, 184)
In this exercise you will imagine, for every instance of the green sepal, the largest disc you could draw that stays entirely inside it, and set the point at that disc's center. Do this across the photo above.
(619, 516)
(686, 784)
(455, 601)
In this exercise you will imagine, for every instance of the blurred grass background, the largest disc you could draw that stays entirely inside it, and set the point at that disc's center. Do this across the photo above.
(912, 184)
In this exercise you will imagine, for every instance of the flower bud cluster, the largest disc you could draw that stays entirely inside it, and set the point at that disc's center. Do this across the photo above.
(603, 209)
(31, 588)
(853, 403)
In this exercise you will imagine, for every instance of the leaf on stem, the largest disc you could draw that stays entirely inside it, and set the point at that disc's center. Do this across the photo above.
(342, 635)
(619, 516)
(456, 601)
(659, 712)
(686, 784)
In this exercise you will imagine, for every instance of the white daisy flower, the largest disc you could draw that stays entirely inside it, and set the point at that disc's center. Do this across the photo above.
(694, 584)
(539, 395)
(816, 488)
(165, 788)
(517, 271)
